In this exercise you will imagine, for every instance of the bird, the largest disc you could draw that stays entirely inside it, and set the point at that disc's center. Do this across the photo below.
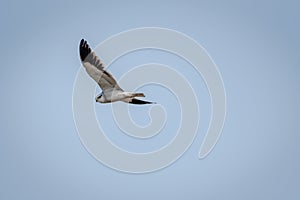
(111, 91)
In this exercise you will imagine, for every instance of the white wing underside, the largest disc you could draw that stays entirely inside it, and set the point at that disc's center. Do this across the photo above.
(111, 91)
(95, 68)
(104, 79)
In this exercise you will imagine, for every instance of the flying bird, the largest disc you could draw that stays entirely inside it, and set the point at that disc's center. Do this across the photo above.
(111, 91)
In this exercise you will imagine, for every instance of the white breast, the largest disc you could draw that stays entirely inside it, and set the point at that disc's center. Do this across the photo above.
(113, 95)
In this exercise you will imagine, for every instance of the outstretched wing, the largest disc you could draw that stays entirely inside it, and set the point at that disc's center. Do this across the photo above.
(95, 68)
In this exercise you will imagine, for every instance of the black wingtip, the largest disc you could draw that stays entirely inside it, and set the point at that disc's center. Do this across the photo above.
(140, 102)
(84, 49)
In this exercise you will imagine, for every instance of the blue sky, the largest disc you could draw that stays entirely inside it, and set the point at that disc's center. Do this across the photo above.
(256, 48)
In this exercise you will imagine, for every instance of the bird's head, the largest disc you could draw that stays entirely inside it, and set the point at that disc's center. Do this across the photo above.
(99, 98)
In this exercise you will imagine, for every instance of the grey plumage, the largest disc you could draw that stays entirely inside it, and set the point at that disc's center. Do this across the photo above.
(111, 91)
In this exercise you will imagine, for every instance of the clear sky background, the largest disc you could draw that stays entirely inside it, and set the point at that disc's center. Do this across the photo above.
(256, 47)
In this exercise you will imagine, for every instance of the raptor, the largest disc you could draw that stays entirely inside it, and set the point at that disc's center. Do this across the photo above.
(111, 91)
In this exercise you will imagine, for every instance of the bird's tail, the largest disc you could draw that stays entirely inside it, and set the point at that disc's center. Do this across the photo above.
(137, 95)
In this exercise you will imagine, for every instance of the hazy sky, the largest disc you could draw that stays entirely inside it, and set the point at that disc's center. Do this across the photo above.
(256, 48)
